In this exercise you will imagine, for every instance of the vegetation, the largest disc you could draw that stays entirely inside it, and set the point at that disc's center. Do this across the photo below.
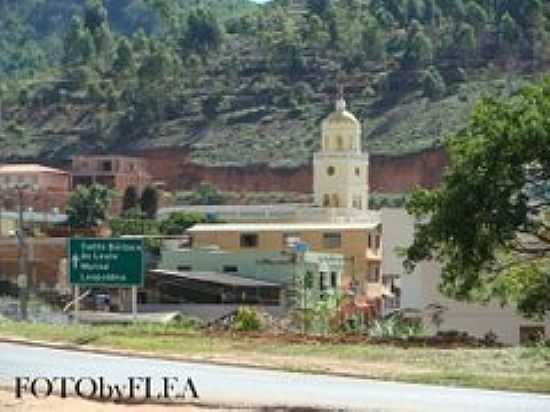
(79, 76)
(149, 202)
(522, 368)
(177, 223)
(489, 221)
(87, 206)
(246, 320)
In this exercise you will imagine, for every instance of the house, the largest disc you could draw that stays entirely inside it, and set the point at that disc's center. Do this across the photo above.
(113, 171)
(420, 294)
(42, 188)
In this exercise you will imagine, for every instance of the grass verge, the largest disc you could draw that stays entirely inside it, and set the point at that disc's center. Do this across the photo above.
(519, 368)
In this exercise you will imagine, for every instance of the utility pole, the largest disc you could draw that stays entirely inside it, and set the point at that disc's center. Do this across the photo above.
(23, 281)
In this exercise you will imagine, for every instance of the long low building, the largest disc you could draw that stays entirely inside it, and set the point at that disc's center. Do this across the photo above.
(359, 243)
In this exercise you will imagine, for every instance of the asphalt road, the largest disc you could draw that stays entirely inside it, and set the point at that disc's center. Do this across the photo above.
(256, 387)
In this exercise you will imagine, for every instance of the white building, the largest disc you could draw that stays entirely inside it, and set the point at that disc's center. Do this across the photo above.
(420, 289)
(340, 170)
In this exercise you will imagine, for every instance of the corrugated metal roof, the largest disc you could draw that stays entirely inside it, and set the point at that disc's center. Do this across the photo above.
(217, 277)
(281, 227)
(28, 168)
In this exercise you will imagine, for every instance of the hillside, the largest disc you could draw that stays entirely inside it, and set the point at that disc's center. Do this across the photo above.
(245, 84)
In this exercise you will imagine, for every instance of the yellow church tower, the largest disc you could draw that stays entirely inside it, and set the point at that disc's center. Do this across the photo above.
(340, 169)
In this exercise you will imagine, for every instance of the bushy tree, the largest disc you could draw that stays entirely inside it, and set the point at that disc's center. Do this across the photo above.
(203, 33)
(434, 85)
(488, 223)
(476, 15)
(206, 194)
(149, 202)
(179, 222)
(87, 206)
(419, 48)
(466, 41)
(131, 199)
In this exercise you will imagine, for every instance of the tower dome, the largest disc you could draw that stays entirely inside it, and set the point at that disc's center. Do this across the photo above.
(341, 131)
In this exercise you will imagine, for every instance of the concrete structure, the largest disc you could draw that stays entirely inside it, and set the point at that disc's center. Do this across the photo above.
(359, 243)
(47, 189)
(340, 170)
(282, 213)
(279, 267)
(420, 289)
(115, 172)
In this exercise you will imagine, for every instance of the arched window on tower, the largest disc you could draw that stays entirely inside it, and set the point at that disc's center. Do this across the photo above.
(340, 143)
(326, 200)
(335, 201)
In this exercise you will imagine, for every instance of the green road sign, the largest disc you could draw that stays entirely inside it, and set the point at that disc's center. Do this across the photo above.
(106, 262)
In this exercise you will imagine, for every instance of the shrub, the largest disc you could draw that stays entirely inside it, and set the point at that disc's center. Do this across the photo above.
(246, 320)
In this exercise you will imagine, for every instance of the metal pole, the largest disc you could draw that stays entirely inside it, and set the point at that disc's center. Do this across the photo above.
(22, 259)
(134, 303)
(76, 303)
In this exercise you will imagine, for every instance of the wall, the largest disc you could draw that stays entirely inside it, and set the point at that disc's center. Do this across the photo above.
(387, 173)
(420, 289)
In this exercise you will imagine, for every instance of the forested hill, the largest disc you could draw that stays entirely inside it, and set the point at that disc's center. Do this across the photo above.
(241, 83)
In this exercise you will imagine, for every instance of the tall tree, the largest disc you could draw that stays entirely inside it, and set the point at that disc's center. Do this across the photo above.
(203, 33)
(489, 222)
(87, 206)
(131, 199)
(149, 202)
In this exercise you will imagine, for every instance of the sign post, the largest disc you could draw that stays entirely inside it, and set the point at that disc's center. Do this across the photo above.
(106, 263)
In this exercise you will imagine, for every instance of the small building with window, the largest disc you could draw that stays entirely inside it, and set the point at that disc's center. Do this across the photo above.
(316, 274)
(358, 243)
(113, 171)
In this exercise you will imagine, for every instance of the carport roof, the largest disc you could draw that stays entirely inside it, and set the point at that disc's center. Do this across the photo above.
(217, 277)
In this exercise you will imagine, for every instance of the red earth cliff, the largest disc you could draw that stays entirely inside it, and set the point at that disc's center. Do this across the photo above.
(388, 174)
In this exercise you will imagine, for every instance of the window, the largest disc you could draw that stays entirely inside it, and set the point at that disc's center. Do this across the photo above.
(377, 242)
(184, 268)
(340, 142)
(326, 200)
(357, 171)
(332, 240)
(230, 269)
(370, 241)
(374, 274)
(331, 170)
(107, 166)
(322, 281)
(333, 280)
(249, 240)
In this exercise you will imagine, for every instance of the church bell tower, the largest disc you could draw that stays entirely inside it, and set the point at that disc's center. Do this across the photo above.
(340, 169)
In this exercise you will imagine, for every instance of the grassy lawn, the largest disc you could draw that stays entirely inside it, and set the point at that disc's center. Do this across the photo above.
(521, 369)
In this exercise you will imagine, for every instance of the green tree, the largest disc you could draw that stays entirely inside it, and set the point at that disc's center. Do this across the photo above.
(149, 202)
(434, 85)
(206, 194)
(124, 60)
(488, 222)
(465, 42)
(476, 15)
(414, 10)
(87, 206)
(203, 33)
(318, 7)
(131, 199)
(95, 15)
(419, 48)
(511, 33)
(179, 222)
